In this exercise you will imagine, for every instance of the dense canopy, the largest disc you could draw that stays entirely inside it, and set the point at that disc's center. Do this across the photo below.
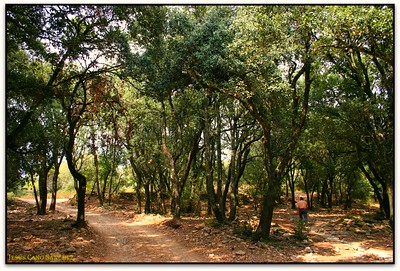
(179, 103)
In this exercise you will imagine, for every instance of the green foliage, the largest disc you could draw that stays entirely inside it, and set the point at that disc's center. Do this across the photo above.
(245, 231)
(118, 70)
(300, 230)
(362, 190)
(10, 196)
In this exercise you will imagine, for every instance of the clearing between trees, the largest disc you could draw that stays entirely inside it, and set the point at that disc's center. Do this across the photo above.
(117, 234)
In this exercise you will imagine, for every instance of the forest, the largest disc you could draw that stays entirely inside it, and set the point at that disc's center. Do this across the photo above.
(175, 106)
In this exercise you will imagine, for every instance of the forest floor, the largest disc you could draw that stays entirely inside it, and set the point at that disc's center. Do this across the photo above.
(117, 234)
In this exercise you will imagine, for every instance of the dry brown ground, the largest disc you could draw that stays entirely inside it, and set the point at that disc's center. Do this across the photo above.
(118, 234)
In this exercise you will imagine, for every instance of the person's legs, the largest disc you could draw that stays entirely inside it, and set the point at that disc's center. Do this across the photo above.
(303, 215)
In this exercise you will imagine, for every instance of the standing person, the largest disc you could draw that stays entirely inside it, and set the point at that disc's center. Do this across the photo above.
(302, 209)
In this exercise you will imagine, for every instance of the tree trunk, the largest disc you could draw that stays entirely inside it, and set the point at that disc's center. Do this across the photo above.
(96, 166)
(81, 179)
(330, 191)
(139, 179)
(291, 183)
(324, 192)
(222, 203)
(35, 191)
(307, 191)
(267, 208)
(175, 204)
(110, 186)
(57, 164)
(80, 220)
(389, 193)
(191, 157)
(241, 162)
(104, 188)
(233, 195)
(147, 206)
(74, 117)
(54, 189)
(384, 194)
(43, 191)
(208, 167)
(139, 194)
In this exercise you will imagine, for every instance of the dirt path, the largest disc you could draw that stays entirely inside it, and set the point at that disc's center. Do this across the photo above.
(136, 241)
(122, 235)
(334, 238)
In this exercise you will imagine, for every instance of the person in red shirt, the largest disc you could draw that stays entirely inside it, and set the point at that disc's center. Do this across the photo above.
(302, 209)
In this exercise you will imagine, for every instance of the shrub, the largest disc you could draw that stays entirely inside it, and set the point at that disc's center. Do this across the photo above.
(300, 230)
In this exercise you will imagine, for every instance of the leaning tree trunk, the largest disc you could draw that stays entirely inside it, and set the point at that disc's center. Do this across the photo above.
(268, 204)
(81, 179)
(35, 194)
(80, 190)
(81, 193)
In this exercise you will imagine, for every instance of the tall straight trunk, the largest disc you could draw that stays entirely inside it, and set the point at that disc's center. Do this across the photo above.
(139, 180)
(324, 193)
(222, 203)
(104, 188)
(147, 206)
(54, 188)
(139, 195)
(43, 172)
(287, 188)
(389, 193)
(175, 204)
(330, 191)
(233, 194)
(113, 166)
(110, 187)
(80, 220)
(233, 197)
(191, 157)
(57, 164)
(212, 199)
(233, 172)
(97, 171)
(290, 184)
(43, 191)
